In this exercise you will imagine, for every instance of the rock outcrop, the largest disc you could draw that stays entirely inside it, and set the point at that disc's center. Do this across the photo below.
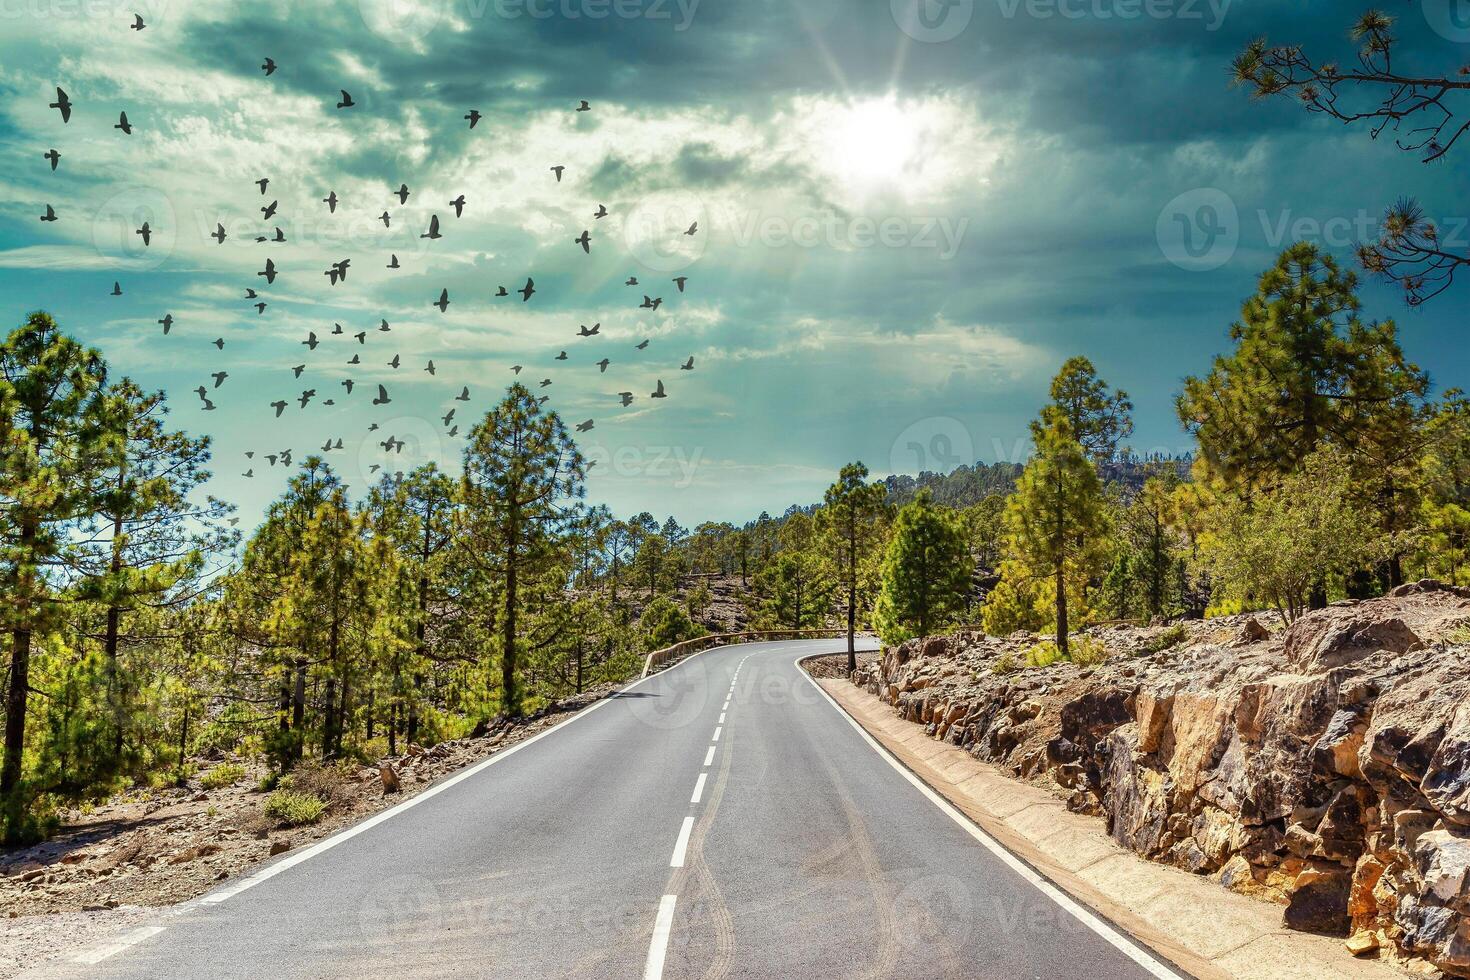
(1325, 766)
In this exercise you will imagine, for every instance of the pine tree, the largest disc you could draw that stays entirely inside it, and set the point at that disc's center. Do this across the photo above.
(926, 572)
(1055, 522)
(50, 437)
(522, 480)
(850, 526)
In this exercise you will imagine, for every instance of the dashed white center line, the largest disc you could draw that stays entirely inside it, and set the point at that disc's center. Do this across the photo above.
(698, 789)
(722, 717)
(716, 737)
(682, 844)
(709, 756)
(653, 968)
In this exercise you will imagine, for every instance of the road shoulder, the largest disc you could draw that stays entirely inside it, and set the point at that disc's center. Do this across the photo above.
(1210, 932)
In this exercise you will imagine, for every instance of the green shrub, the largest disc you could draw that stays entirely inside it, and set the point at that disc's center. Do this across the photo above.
(293, 809)
(268, 782)
(1086, 651)
(1043, 654)
(1005, 664)
(222, 775)
(664, 622)
(1170, 638)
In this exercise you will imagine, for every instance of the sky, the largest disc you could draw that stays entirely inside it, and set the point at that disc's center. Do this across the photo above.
(909, 214)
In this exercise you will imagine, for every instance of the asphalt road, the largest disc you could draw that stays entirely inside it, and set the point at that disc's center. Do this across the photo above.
(719, 819)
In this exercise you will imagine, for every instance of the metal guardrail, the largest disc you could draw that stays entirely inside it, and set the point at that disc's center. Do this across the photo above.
(659, 657)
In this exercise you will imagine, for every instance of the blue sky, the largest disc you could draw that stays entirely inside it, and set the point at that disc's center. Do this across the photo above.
(904, 226)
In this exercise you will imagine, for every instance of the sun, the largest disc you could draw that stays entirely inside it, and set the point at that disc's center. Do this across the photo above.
(872, 143)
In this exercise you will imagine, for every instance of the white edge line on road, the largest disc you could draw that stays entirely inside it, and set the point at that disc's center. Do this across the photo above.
(698, 788)
(709, 756)
(266, 873)
(1082, 914)
(682, 844)
(653, 969)
(91, 957)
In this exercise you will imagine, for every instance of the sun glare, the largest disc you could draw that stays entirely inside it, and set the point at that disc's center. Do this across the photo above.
(873, 142)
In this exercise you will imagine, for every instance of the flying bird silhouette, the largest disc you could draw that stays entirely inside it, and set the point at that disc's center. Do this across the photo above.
(145, 233)
(219, 234)
(50, 214)
(346, 102)
(123, 124)
(402, 193)
(692, 229)
(464, 394)
(382, 398)
(584, 426)
(443, 301)
(585, 241)
(642, 346)
(137, 23)
(269, 67)
(393, 260)
(558, 171)
(473, 116)
(626, 397)
(500, 291)
(269, 211)
(219, 343)
(584, 332)
(527, 290)
(632, 281)
(279, 407)
(584, 107)
(433, 232)
(168, 323)
(331, 202)
(269, 272)
(53, 156)
(602, 366)
(310, 343)
(219, 377)
(562, 356)
(687, 365)
(116, 289)
(62, 104)
(659, 391)
(458, 205)
(601, 211)
(263, 183)
(680, 281)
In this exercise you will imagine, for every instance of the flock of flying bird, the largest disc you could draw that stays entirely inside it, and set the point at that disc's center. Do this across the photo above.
(337, 273)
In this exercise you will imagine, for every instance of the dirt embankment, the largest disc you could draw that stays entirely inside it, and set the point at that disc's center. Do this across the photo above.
(1325, 767)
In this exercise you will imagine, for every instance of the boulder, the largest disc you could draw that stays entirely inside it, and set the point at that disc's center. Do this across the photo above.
(1318, 901)
(389, 776)
(1335, 637)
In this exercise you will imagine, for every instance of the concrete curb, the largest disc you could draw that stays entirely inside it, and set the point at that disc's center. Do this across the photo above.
(1191, 921)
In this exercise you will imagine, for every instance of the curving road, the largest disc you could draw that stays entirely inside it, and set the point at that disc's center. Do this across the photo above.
(720, 819)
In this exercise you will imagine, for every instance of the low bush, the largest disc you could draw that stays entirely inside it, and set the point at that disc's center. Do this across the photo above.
(224, 774)
(294, 809)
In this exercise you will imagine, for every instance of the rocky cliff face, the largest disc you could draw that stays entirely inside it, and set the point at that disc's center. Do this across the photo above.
(1325, 766)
